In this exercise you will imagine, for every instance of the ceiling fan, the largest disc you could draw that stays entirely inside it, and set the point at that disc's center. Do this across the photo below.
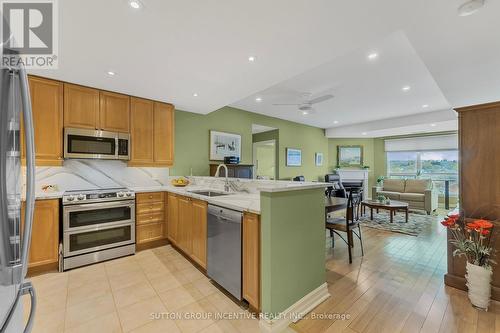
(306, 107)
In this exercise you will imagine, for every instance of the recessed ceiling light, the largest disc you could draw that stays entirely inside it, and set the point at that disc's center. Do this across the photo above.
(406, 88)
(258, 99)
(373, 56)
(335, 121)
(470, 7)
(111, 73)
(251, 58)
(433, 125)
(305, 113)
(364, 133)
(195, 95)
(425, 106)
(135, 4)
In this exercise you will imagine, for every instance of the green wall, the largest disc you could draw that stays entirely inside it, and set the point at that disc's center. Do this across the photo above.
(292, 247)
(192, 141)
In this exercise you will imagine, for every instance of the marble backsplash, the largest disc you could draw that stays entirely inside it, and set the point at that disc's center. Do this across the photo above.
(95, 174)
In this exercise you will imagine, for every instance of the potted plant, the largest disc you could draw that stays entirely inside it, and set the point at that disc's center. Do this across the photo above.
(366, 167)
(380, 180)
(472, 241)
(380, 198)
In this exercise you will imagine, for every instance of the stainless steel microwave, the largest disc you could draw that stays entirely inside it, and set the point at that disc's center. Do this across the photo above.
(96, 144)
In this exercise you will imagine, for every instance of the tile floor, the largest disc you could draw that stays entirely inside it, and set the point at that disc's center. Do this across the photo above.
(140, 293)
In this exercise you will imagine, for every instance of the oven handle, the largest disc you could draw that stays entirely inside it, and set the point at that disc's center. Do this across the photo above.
(94, 227)
(111, 204)
(97, 227)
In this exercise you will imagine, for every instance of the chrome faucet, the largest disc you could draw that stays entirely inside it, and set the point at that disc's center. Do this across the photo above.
(226, 184)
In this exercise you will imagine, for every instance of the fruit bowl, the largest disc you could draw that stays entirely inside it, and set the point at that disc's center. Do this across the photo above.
(179, 182)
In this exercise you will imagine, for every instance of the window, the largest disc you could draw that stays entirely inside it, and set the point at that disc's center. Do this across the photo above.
(438, 165)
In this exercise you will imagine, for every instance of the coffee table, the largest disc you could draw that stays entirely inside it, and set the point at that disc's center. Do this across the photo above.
(393, 207)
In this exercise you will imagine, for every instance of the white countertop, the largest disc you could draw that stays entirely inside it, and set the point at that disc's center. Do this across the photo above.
(241, 201)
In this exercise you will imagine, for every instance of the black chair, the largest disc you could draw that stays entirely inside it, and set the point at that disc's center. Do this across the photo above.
(355, 186)
(336, 190)
(347, 224)
(299, 179)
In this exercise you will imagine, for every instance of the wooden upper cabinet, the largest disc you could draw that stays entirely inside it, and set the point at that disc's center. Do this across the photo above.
(141, 131)
(47, 107)
(163, 133)
(81, 106)
(199, 232)
(114, 112)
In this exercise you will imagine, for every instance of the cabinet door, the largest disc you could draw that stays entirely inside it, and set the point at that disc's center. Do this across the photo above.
(163, 134)
(81, 106)
(173, 217)
(184, 225)
(251, 259)
(141, 131)
(44, 248)
(47, 106)
(199, 232)
(114, 112)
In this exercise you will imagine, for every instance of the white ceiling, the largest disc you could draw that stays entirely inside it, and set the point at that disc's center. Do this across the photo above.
(364, 90)
(173, 48)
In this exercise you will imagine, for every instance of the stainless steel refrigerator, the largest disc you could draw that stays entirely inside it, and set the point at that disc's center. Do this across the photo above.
(15, 240)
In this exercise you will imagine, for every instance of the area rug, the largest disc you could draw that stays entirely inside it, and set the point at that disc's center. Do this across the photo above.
(416, 222)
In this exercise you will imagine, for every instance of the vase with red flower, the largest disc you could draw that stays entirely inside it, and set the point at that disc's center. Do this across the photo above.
(472, 241)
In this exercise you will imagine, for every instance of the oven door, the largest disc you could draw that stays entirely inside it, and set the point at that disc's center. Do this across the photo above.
(83, 143)
(86, 216)
(98, 238)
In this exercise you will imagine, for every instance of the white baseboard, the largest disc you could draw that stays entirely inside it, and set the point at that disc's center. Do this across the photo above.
(296, 311)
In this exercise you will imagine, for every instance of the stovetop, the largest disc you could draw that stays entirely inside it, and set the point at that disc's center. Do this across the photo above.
(98, 195)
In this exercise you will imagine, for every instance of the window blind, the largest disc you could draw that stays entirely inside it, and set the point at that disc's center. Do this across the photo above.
(435, 142)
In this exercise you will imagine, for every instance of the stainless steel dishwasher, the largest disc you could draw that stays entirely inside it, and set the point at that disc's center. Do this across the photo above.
(224, 248)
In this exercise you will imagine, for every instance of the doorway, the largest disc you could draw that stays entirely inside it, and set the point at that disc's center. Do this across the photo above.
(264, 159)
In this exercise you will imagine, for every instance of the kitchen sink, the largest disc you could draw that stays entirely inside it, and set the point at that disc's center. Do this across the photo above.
(208, 193)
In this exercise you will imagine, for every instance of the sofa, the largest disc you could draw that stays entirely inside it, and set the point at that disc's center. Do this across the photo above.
(418, 193)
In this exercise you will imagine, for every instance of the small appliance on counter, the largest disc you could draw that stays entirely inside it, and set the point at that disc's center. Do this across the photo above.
(98, 225)
(231, 160)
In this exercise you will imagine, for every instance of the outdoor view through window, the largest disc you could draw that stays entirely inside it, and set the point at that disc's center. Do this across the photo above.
(438, 165)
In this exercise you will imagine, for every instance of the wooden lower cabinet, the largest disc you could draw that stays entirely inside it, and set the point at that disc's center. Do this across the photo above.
(187, 226)
(173, 217)
(199, 232)
(150, 218)
(44, 247)
(251, 259)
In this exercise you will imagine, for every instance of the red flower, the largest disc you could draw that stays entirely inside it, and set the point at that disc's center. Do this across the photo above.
(472, 225)
(485, 232)
(454, 216)
(483, 224)
(448, 222)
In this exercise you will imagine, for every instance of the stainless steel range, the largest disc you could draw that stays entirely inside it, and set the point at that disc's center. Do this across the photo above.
(98, 225)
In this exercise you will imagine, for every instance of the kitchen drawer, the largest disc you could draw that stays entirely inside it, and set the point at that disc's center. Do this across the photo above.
(149, 208)
(150, 197)
(150, 232)
(150, 218)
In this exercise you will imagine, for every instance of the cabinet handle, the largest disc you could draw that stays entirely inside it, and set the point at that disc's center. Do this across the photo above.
(150, 197)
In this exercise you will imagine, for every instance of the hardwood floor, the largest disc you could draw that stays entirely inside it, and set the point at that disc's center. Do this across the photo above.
(396, 287)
